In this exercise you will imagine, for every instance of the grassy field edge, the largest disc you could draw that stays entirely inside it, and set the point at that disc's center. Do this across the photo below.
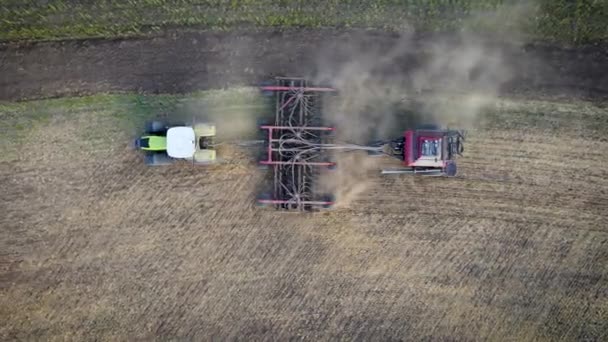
(559, 21)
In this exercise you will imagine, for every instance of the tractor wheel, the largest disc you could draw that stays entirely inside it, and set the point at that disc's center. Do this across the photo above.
(205, 157)
(158, 159)
(156, 127)
(204, 129)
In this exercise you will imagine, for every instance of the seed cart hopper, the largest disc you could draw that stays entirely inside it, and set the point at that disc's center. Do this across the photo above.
(427, 151)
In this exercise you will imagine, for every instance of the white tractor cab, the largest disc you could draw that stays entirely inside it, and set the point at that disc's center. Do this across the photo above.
(164, 144)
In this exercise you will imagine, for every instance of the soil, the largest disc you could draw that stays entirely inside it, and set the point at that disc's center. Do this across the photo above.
(188, 61)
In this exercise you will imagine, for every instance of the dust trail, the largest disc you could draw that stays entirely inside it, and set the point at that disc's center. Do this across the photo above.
(385, 89)
(235, 113)
(463, 77)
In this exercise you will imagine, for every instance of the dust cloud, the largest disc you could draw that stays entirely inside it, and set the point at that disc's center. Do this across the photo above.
(386, 86)
(235, 113)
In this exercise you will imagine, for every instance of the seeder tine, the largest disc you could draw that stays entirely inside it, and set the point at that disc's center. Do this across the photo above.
(294, 144)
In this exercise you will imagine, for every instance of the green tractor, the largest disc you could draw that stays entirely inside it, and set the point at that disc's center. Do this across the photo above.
(163, 144)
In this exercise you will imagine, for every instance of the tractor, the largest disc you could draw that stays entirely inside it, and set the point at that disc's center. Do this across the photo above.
(164, 143)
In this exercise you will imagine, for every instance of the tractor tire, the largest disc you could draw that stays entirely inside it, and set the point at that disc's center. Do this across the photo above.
(205, 157)
(204, 129)
(156, 127)
(158, 159)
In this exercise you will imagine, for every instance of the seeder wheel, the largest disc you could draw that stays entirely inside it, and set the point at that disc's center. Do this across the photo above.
(451, 170)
